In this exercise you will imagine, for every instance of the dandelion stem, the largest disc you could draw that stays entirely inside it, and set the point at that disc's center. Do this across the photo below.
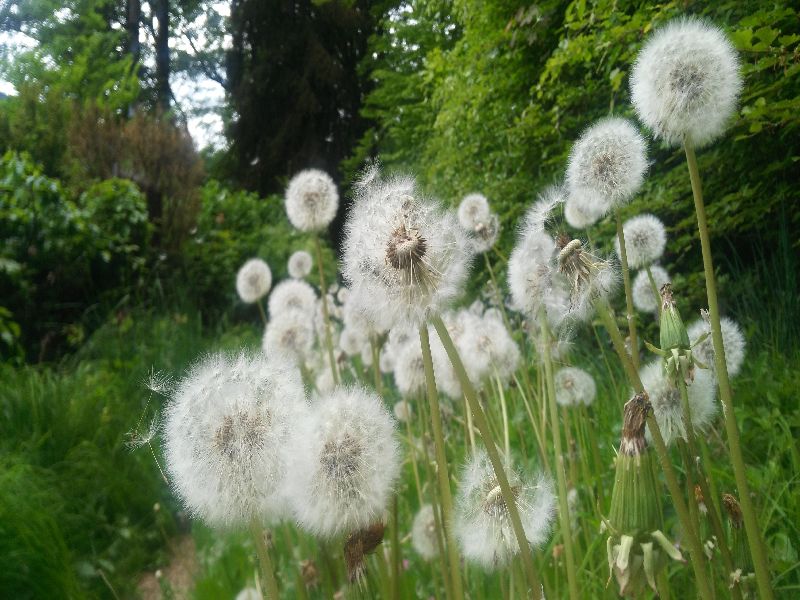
(563, 507)
(445, 496)
(271, 585)
(395, 551)
(376, 366)
(626, 279)
(323, 292)
(654, 287)
(695, 547)
(754, 538)
(261, 312)
(491, 450)
(708, 497)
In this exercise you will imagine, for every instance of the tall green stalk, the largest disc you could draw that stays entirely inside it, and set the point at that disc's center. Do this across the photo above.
(491, 450)
(267, 573)
(323, 291)
(445, 495)
(626, 279)
(695, 546)
(754, 539)
(563, 506)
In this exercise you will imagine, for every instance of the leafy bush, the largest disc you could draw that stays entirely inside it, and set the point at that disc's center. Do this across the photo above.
(61, 255)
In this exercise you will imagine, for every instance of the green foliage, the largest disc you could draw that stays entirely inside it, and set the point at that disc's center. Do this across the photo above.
(60, 253)
(232, 227)
(497, 110)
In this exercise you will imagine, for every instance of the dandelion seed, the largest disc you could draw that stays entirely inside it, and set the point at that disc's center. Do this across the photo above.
(405, 254)
(253, 280)
(732, 339)
(574, 387)
(666, 401)
(686, 82)
(226, 430)
(289, 334)
(645, 240)
(344, 461)
(423, 533)
(300, 264)
(645, 298)
(292, 294)
(608, 159)
(138, 439)
(311, 200)
(483, 526)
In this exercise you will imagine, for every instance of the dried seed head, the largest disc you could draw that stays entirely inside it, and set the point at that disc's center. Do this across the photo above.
(423, 533)
(645, 298)
(645, 240)
(299, 265)
(311, 200)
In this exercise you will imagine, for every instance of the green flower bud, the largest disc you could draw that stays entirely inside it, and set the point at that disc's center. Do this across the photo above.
(673, 331)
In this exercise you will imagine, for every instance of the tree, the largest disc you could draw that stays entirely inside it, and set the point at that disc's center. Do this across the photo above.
(294, 86)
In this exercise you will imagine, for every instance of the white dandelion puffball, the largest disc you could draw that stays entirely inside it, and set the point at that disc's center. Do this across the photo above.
(409, 371)
(311, 200)
(532, 280)
(292, 294)
(583, 208)
(609, 159)
(732, 339)
(487, 349)
(645, 240)
(289, 334)
(352, 339)
(300, 264)
(482, 523)
(226, 430)
(404, 253)
(645, 298)
(473, 210)
(402, 411)
(423, 533)
(686, 82)
(253, 280)
(485, 234)
(344, 462)
(249, 593)
(666, 401)
(574, 387)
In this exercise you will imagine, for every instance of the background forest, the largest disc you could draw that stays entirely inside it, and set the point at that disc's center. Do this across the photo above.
(144, 151)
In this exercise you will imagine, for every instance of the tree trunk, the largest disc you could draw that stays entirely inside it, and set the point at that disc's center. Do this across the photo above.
(163, 92)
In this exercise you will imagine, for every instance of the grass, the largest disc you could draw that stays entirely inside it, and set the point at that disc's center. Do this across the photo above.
(76, 505)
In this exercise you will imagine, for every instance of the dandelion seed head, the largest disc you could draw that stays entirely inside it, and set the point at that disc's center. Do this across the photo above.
(732, 339)
(488, 349)
(473, 210)
(584, 207)
(608, 159)
(574, 387)
(289, 334)
(292, 294)
(645, 297)
(344, 462)
(226, 430)
(423, 533)
(666, 401)
(686, 82)
(300, 264)
(403, 252)
(253, 280)
(311, 200)
(645, 240)
(409, 371)
(402, 411)
(482, 523)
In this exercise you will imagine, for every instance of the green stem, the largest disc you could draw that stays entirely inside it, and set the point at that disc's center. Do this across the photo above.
(261, 312)
(445, 495)
(270, 584)
(376, 365)
(695, 547)
(491, 450)
(323, 291)
(563, 506)
(626, 279)
(754, 538)
(656, 293)
(395, 551)
(708, 497)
